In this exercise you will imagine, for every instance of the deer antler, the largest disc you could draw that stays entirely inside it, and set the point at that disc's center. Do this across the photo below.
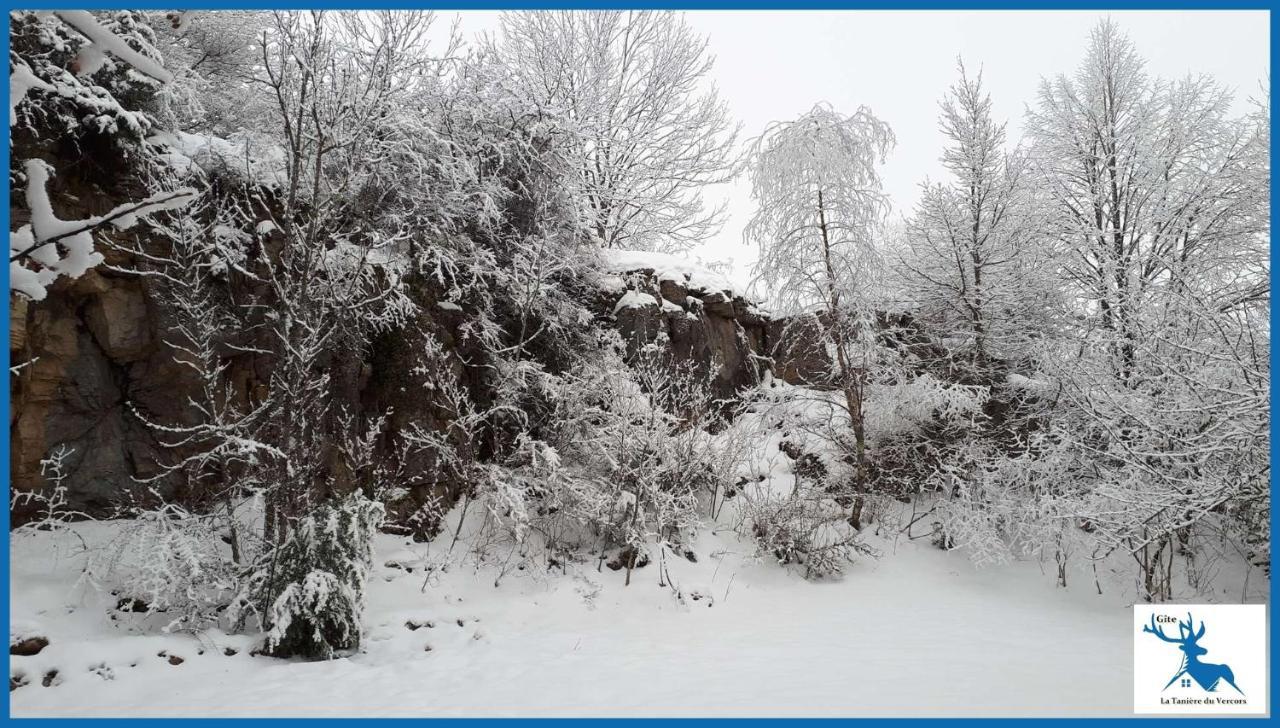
(1191, 628)
(1159, 632)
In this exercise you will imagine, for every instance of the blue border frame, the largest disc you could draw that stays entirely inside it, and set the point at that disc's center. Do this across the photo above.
(799, 5)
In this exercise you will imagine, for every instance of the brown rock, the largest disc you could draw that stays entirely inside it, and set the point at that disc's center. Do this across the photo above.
(714, 332)
(17, 322)
(673, 291)
(92, 283)
(120, 324)
(28, 647)
(798, 353)
(719, 304)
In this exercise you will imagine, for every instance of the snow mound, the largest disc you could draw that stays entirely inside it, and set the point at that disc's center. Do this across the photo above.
(667, 267)
(635, 299)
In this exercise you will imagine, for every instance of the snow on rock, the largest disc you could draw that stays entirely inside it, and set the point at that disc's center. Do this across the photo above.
(256, 161)
(667, 267)
(612, 283)
(634, 299)
(670, 307)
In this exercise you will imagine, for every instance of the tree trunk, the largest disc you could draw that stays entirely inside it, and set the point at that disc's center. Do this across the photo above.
(850, 380)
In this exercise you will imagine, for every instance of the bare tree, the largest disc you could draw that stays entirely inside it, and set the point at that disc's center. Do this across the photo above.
(820, 207)
(1168, 377)
(650, 130)
(972, 255)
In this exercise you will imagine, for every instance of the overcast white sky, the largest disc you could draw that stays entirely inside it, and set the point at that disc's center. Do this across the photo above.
(773, 65)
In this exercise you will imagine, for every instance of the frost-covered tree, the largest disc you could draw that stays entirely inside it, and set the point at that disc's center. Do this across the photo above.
(1139, 171)
(819, 209)
(1147, 179)
(211, 55)
(336, 85)
(648, 128)
(974, 256)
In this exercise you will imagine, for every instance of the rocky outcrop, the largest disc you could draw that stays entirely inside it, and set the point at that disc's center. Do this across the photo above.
(797, 350)
(705, 322)
(714, 330)
(88, 361)
(93, 368)
(90, 366)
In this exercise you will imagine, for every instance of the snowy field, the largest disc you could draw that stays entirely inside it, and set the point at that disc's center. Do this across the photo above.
(916, 632)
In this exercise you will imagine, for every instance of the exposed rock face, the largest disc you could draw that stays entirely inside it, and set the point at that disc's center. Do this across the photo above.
(718, 328)
(391, 386)
(88, 357)
(714, 330)
(117, 318)
(797, 350)
(93, 365)
(713, 326)
(94, 368)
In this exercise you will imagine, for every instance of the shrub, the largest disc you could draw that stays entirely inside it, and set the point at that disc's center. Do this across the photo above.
(308, 593)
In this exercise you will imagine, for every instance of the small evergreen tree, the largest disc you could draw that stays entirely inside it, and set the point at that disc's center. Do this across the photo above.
(309, 592)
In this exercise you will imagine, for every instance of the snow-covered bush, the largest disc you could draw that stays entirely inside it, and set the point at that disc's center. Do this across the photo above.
(794, 493)
(921, 404)
(616, 459)
(308, 592)
(804, 527)
(170, 562)
(81, 73)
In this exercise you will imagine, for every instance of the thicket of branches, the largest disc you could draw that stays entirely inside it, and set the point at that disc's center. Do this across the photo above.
(349, 183)
(1093, 300)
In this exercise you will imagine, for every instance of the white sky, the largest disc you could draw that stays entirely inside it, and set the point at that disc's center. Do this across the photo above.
(773, 65)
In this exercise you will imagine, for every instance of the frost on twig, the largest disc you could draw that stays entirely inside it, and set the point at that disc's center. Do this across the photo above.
(49, 504)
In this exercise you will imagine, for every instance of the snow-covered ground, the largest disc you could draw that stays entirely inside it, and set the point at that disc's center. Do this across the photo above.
(916, 632)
